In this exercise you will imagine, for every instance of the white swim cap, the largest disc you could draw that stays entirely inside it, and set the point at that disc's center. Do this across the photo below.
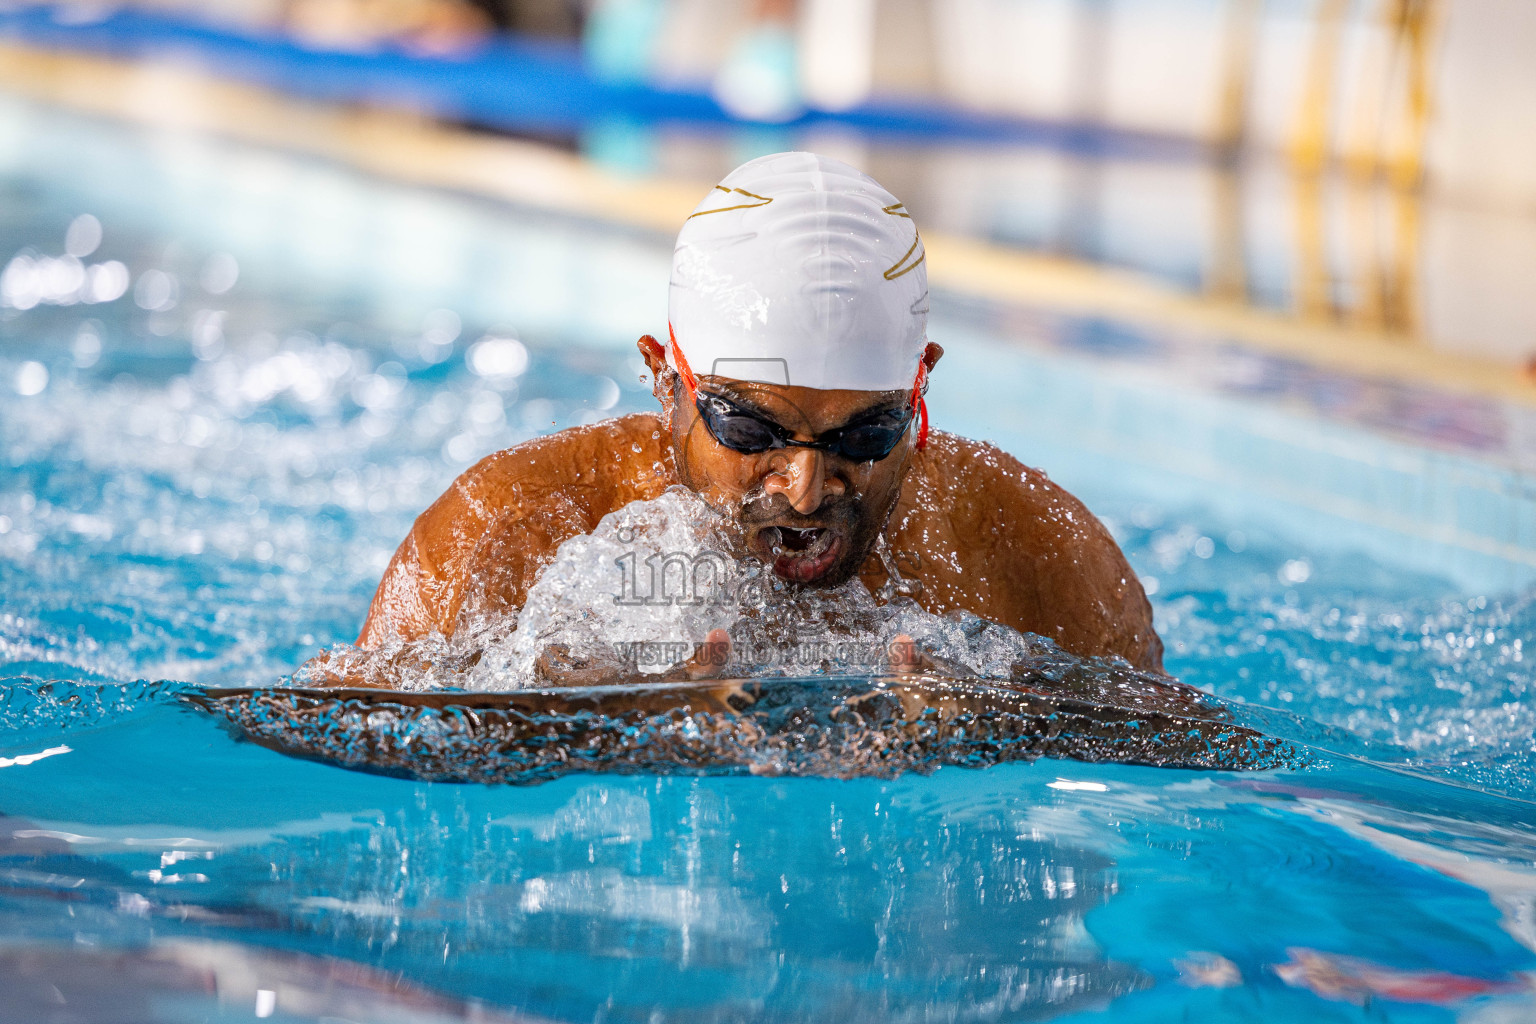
(801, 270)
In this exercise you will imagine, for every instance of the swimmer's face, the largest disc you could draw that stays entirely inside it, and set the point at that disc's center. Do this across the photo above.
(813, 515)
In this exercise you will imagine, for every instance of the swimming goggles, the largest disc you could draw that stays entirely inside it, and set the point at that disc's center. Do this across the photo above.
(742, 430)
(738, 428)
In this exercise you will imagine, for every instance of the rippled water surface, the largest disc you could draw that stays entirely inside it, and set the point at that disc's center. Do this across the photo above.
(202, 478)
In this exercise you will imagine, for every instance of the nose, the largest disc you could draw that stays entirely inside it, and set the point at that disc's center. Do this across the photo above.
(800, 474)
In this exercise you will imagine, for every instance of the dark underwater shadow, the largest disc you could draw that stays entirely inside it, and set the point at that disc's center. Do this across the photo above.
(835, 727)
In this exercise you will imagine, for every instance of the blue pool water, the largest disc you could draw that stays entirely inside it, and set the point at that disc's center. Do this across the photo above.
(201, 480)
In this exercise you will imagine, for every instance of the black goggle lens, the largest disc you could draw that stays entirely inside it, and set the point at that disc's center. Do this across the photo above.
(869, 441)
(741, 431)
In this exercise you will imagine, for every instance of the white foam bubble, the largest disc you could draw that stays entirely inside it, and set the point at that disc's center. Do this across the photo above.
(638, 594)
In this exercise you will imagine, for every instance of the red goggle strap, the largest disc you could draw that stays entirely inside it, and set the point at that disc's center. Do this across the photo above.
(920, 404)
(680, 364)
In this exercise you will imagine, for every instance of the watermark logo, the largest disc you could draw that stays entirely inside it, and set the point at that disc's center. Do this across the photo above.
(697, 578)
(690, 578)
(762, 371)
(810, 654)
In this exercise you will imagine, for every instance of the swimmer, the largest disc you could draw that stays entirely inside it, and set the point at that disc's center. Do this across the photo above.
(791, 391)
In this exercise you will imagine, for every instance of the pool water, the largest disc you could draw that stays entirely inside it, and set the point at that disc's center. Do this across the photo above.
(204, 476)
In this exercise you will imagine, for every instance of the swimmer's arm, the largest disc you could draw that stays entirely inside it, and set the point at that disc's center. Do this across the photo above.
(418, 594)
(1067, 573)
(480, 546)
(404, 608)
(484, 540)
(449, 564)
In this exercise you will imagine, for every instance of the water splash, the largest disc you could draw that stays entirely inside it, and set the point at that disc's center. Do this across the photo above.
(837, 727)
(1444, 681)
(636, 596)
(630, 600)
(817, 727)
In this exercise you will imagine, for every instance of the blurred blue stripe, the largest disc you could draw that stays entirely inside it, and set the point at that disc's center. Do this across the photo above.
(528, 86)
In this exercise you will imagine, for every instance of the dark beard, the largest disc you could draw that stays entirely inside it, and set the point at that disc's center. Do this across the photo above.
(860, 525)
(848, 516)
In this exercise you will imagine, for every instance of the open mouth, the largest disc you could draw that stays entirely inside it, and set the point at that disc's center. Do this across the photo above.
(802, 554)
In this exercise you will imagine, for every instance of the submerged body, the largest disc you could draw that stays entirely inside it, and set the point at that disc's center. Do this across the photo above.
(971, 527)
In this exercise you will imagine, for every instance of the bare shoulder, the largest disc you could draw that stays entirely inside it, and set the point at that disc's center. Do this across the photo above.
(601, 456)
(983, 480)
(508, 512)
(585, 471)
(1055, 567)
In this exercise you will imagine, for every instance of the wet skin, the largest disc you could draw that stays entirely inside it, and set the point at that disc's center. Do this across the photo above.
(977, 529)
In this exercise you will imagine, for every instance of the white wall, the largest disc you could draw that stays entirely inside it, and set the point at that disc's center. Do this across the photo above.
(1482, 144)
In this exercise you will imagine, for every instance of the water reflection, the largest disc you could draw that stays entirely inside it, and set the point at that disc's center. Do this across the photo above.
(1013, 893)
(607, 899)
(176, 982)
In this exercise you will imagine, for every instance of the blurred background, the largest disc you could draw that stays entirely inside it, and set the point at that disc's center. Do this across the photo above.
(276, 271)
(1363, 163)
